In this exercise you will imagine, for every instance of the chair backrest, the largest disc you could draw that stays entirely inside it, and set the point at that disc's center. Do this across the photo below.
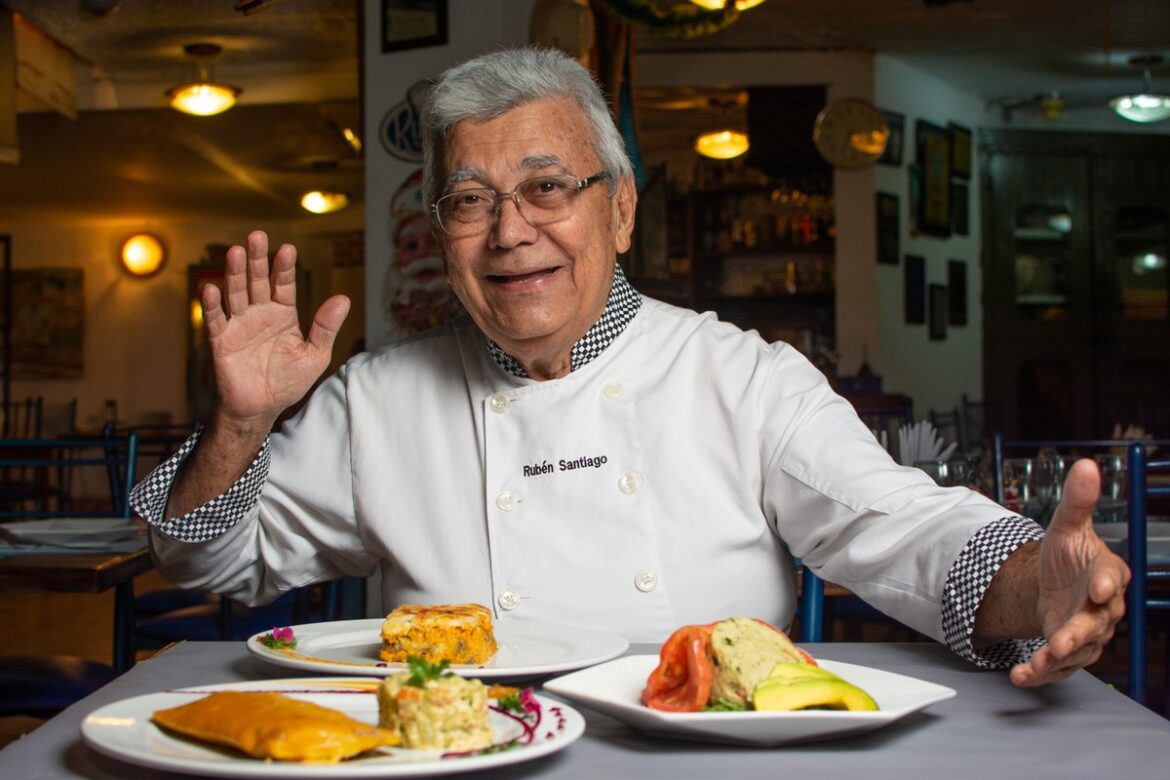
(1137, 597)
(48, 468)
(22, 419)
(812, 606)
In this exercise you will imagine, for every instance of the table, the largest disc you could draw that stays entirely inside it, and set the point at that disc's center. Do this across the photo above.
(1079, 728)
(88, 572)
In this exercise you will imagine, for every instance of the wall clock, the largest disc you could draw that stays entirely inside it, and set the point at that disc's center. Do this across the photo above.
(850, 133)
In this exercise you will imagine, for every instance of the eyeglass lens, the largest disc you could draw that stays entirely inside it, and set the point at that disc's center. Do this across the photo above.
(541, 200)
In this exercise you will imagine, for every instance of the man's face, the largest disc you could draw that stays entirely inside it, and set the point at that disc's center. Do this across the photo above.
(535, 290)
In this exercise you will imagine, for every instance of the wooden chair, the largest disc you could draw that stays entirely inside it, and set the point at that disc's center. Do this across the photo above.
(23, 419)
(51, 467)
(1138, 597)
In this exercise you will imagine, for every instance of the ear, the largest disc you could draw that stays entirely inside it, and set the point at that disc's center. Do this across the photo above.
(625, 203)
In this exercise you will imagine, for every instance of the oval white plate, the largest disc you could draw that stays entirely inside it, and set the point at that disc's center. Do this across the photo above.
(615, 688)
(525, 649)
(124, 731)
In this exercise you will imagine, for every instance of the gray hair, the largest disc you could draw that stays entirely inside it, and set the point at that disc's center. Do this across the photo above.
(492, 84)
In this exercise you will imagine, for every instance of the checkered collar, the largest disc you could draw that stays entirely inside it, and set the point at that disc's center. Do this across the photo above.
(620, 308)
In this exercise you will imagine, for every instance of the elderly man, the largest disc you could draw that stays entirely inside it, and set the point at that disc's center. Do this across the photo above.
(573, 452)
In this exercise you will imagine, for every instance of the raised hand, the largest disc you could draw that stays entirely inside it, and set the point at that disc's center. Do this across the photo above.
(263, 363)
(1081, 585)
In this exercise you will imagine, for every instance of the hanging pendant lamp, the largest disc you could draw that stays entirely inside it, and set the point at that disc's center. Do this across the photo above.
(1146, 106)
(203, 97)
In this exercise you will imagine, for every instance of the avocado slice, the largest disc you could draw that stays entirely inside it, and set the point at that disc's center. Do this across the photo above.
(810, 693)
(792, 670)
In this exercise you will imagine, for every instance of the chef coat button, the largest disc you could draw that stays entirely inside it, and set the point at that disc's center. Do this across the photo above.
(629, 483)
(646, 580)
(613, 390)
(506, 502)
(499, 403)
(508, 599)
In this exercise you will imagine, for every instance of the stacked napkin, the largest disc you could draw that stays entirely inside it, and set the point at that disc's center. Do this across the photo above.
(920, 441)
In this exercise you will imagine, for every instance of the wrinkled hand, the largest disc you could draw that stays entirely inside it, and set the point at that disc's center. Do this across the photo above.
(1082, 585)
(263, 364)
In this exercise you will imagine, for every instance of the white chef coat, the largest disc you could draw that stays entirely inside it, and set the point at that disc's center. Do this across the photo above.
(668, 481)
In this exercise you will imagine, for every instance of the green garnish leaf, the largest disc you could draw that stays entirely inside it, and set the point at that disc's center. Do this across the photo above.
(422, 670)
(726, 705)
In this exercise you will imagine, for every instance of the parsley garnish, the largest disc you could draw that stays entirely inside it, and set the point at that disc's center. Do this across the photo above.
(422, 670)
(725, 705)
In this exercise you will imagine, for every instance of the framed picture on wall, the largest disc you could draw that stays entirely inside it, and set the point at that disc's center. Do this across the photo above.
(893, 152)
(888, 245)
(960, 151)
(956, 292)
(410, 24)
(960, 209)
(934, 155)
(938, 312)
(915, 289)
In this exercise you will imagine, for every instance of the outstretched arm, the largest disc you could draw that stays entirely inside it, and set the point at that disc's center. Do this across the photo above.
(262, 363)
(1068, 588)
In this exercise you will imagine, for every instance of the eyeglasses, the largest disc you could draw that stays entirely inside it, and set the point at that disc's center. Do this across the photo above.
(541, 201)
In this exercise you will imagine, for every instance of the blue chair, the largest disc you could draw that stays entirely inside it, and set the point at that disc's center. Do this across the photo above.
(1138, 598)
(44, 685)
(812, 606)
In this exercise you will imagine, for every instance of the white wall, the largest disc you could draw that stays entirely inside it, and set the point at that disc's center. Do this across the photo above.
(933, 373)
(473, 27)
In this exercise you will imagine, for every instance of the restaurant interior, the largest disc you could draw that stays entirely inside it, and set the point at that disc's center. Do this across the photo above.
(941, 203)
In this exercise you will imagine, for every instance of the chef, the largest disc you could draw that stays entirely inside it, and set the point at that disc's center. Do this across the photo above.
(574, 452)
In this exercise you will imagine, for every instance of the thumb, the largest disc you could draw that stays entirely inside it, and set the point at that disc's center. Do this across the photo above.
(1082, 487)
(327, 322)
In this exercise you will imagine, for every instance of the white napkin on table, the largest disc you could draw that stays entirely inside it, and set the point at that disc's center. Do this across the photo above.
(920, 441)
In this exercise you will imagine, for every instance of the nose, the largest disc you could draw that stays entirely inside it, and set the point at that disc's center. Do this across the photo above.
(511, 227)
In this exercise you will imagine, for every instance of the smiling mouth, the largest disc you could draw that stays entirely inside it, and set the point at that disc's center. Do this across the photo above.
(521, 278)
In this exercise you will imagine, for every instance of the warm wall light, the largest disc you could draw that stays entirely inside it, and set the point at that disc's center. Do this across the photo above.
(722, 144)
(714, 5)
(322, 202)
(143, 254)
(1145, 106)
(203, 97)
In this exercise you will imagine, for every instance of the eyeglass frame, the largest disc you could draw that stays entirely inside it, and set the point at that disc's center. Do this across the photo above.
(514, 194)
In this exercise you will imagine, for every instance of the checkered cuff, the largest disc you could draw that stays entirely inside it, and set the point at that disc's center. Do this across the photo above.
(967, 583)
(149, 497)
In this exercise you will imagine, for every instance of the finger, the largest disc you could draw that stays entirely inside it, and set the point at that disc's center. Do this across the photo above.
(235, 283)
(1109, 581)
(327, 322)
(284, 275)
(259, 285)
(1087, 626)
(1082, 486)
(214, 316)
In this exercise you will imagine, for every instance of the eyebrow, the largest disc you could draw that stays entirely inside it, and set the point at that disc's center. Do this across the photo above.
(532, 163)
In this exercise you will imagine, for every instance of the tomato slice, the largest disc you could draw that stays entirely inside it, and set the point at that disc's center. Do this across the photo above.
(682, 680)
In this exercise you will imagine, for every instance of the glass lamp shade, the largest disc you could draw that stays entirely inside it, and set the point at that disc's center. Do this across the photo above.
(203, 98)
(1142, 107)
(143, 254)
(321, 202)
(714, 5)
(722, 144)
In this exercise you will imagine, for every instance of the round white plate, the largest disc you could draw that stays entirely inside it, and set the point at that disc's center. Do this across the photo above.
(615, 688)
(125, 731)
(524, 649)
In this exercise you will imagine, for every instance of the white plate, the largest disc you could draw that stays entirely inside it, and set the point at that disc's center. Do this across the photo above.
(1157, 538)
(73, 531)
(525, 649)
(615, 688)
(124, 730)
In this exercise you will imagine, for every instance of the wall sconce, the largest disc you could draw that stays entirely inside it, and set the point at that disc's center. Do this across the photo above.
(324, 202)
(1145, 106)
(715, 5)
(722, 144)
(143, 254)
(203, 97)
